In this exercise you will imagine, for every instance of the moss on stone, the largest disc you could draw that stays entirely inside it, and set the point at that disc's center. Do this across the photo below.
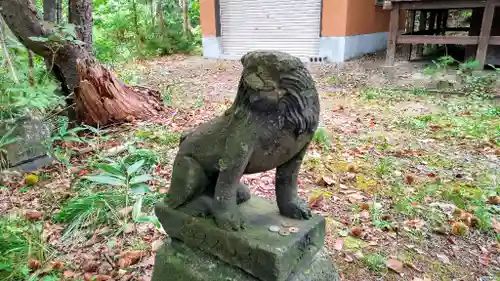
(177, 262)
(256, 250)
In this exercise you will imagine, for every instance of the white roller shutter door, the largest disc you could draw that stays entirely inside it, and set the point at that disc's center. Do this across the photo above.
(292, 26)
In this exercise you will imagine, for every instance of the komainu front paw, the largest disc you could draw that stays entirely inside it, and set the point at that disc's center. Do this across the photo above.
(295, 209)
(229, 220)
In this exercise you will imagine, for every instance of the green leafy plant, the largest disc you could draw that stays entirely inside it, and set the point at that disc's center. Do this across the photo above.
(439, 71)
(129, 177)
(63, 34)
(20, 242)
(376, 214)
(121, 175)
(5, 140)
(375, 262)
(66, 134)
(321, 138)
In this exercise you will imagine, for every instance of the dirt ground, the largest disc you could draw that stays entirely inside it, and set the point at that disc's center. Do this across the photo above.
(407, 179)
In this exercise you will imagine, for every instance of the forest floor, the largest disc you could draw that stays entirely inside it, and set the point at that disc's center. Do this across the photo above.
(407, 179)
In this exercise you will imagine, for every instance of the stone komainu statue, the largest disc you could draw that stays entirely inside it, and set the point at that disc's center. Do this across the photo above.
(269, 125)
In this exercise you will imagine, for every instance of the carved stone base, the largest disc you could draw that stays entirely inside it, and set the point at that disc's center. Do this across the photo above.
(266, 255)
(177, 262)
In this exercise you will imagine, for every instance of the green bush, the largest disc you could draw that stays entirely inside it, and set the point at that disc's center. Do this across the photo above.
(17, 96)
(125, 30)
(20, 241)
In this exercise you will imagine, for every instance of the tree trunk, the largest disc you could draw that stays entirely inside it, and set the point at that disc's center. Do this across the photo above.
(80, 14)
(162, 20)
(100, 98)
(185, 15)
(50, 10)
(58, 11)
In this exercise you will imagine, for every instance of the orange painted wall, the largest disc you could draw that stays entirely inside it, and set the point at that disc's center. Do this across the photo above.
(334, 17)
(354, 17)
(364, 17)
(207, 17)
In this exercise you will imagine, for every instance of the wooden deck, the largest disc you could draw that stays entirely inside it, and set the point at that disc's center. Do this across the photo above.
(435, 34)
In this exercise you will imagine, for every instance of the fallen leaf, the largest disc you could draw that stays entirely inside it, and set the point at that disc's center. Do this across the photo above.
(496, 225)
(414, 267)
(129, 258)
(339, 244)
(68, 274)
(57, 264)
(459, 228)
(420, 279)
(355, 197)
(348, 258)
(352, 168)
(129, 228)
(440, 230)
(395, 265)
(156, 245)
(34, 264)
(364, 215)
(359, 255)
(364, 206)
(409, 179)
(452, 240)
(485, 259)
(316, 201)
(495, 200)
(356, 231)
(443, 258)
(326, 181)
(33, 215)
(90, 266)
(416, 223)
(125, 211)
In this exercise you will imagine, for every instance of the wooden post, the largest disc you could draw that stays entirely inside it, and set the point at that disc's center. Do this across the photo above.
(421, 26)
(411, 29)
(393, 34)
(432, 21)
(484, 36)
(446, 14)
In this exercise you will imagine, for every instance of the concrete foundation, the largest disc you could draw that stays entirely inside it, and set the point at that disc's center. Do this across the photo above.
(331, 49)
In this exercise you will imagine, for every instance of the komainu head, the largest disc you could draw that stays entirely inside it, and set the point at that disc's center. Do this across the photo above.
(274, 82)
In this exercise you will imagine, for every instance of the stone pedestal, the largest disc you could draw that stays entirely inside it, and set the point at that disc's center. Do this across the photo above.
(201, 251)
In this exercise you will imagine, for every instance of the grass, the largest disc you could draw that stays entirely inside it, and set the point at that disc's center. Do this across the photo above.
(21, 241)
(159, 135)
(375, 262)
(322, 139)
(90, 211)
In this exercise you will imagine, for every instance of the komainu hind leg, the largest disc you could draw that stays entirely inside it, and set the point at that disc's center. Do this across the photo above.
(188, 181)
(201, 206)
